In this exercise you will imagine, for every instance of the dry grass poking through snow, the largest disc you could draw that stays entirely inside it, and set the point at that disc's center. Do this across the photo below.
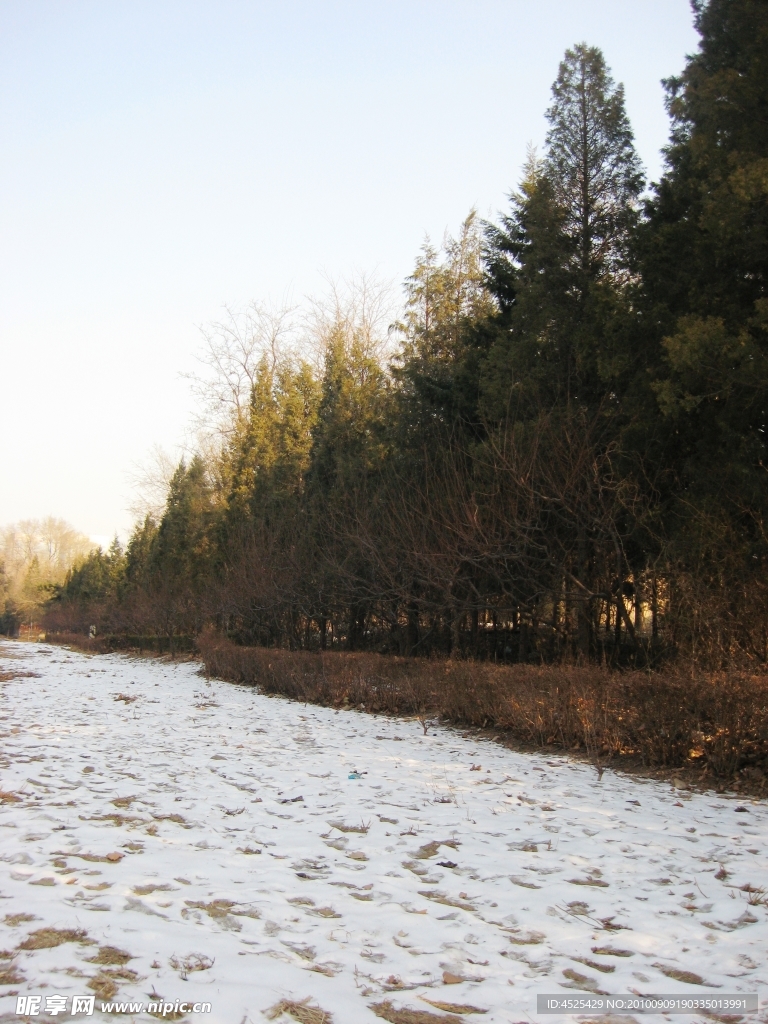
(303, 1012)
(110, 956)
(453, 1007)
(407, 1016)
(186, 965)
(47, 938)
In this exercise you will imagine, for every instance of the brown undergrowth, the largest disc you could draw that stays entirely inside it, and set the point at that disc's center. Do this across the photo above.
(714, 725)
(108, 643)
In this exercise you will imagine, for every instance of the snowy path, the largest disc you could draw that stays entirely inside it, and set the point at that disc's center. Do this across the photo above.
(166, 816)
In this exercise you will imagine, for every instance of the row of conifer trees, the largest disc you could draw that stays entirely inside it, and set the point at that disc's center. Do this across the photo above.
(557, 451)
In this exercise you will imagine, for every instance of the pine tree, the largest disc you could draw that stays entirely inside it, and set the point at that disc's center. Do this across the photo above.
(704, 261)
(559, 263)
(592, 166)
(437, 365)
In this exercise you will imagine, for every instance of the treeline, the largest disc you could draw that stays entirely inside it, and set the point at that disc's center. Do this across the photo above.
(559, 449)
(35, 557)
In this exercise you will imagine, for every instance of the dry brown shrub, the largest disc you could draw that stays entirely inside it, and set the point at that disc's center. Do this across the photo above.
(715, 723)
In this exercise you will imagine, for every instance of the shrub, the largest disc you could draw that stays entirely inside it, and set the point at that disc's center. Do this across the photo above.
(716, 722)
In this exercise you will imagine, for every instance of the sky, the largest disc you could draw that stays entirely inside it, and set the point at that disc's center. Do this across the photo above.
(160, 159)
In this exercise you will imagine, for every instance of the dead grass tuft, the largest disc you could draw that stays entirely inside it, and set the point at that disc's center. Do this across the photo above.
(167, 1015)
(324, 912)
(7, 797)
(105, 983)
(361, 829)
(104, 987)
(583, 982)
(407, 1016)
(215, 909)
(687, 977)
(48, 938)
(447, 901)
(124, 801)
(431, 849)
(605, 968)
(218, 910)
(175, 818)
(756, 896)
(10, 976)
(118, 820)
(191, 962)
(110, 956)
(303, 1012)
(329, 970)
(453, 1007)
(94, 858)
(13, 920)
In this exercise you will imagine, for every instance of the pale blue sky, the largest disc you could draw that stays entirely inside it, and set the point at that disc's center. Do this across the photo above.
(162, 157)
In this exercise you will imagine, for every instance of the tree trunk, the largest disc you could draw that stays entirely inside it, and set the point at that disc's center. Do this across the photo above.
(412, 629)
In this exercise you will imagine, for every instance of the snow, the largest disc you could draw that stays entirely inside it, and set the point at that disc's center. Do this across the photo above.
(504, 870)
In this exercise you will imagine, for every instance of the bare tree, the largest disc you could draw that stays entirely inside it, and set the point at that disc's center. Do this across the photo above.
(361, 308)
(232, 351)
(149, 484)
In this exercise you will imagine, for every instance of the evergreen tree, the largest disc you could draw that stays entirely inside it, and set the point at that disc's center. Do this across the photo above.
(592, 166)
(558, 263)
(437, 365)
(704, 259)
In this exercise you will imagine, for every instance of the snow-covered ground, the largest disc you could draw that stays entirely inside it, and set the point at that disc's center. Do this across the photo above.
(196, 824)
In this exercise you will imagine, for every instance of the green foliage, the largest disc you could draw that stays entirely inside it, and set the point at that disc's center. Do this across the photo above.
(563, 252)
(592, 166)
(437, 366)
(97, 577)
